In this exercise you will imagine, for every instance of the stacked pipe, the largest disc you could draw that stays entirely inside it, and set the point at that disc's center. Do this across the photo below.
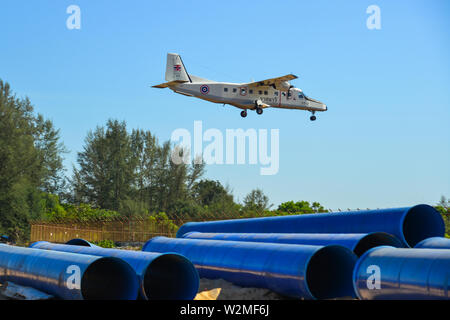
(348, 254)
(410, 225)
(303, 271)
(357, 242)
(68, 275)
(162, 276)
(434, 243)
(403, 274)
(279, 252)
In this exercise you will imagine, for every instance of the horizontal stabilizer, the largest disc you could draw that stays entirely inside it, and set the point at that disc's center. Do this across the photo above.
(168, 84)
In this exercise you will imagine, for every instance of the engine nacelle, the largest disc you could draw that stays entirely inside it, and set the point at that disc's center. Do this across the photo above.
(282, 85)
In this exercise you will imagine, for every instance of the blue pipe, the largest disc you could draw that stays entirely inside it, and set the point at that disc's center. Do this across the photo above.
(68, 276)
(434, 243)
(357, 242)
(161, 276)
(410, 225)
(81, 242)
(403, 274)
(311, 272)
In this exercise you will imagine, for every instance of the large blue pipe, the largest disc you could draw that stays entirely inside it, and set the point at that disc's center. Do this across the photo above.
(168, 276)
(434, 243)
(410, 225)
(357, 242)
(403, 274)
(68, 276)
(81, 242)
(311, 272)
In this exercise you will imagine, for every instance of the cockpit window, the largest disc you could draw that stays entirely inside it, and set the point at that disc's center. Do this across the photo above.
(300, 95)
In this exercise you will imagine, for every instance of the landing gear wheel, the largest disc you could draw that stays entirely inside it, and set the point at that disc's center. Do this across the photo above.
(243, 114)
(312, 118)
(259, 110)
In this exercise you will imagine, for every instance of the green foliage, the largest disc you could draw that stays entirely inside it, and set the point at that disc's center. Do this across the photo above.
(54, 210)
(105, 243)
(301, 207)
(30, 162)
(162, 221)
(131, 173)
(257, 201)
(444, 208)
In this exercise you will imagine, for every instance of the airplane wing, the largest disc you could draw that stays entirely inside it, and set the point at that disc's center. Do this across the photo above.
(272, 81)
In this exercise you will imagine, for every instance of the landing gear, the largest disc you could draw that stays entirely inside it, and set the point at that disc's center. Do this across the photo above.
(257, 107)
(243, 113)
(312, 118)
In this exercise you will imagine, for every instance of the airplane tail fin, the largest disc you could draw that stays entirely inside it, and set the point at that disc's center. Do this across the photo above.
(175, 70)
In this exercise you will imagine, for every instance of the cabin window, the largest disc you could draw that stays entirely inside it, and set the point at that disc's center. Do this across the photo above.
(259, 92)
(243, 91)
(266, 93)
(276, 93)
(284, 94)
(234, 90)
(251, 91)
(225, 89)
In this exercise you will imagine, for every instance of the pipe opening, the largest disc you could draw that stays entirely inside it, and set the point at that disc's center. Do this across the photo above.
(421, 222)
(79, 242)
(329, 273)
(171, 277)
(376, 239)
(109, 279)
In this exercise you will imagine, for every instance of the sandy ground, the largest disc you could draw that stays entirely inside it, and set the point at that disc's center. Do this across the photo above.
(222, 290)
(2, 297)
(219, 289)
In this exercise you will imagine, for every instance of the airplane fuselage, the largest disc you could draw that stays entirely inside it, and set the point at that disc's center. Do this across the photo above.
(244, 97)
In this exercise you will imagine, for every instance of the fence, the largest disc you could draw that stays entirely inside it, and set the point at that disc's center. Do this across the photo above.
(121, 229)
(117, 230)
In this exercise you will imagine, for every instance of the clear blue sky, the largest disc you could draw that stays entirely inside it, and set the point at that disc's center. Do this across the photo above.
(383, 143)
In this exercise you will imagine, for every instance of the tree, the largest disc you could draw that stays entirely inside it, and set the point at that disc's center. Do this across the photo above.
(444, 208)
(30, 163)
(50, 156)
(107, 167)
(131, 173)
(301, 207)
(208, 192)
(257, 201)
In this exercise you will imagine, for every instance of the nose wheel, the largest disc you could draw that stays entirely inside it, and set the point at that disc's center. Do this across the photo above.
(312, 118)
(259, 110)
(243, 113)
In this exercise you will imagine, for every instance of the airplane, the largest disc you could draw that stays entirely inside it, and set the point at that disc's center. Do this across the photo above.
(259, 95)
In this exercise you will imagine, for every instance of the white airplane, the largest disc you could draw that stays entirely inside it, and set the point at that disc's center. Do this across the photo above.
(270, 93)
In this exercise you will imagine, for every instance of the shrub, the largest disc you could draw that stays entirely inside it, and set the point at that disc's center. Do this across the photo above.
(105, 243)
